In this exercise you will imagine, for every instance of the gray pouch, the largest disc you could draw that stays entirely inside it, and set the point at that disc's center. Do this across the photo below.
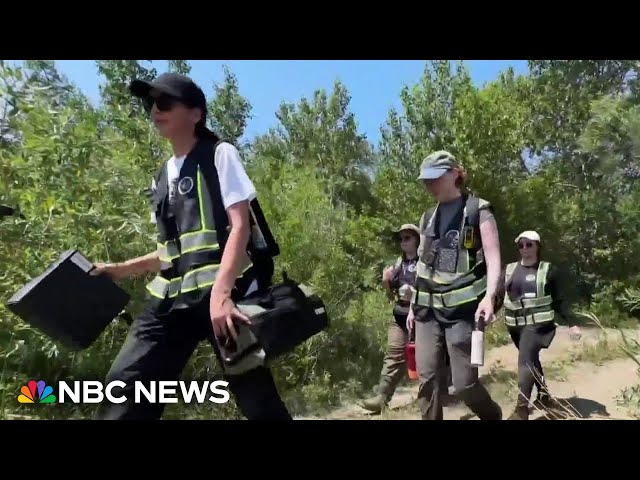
(243, 354)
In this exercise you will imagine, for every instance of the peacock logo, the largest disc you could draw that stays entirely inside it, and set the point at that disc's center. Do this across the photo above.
(44, 393)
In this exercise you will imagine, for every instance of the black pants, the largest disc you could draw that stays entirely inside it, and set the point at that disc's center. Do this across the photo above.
(433, 341)
(158, 349)
(530, 340)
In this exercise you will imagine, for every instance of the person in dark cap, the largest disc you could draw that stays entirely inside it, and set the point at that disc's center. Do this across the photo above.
(398, 280)
(203, 204)
(457, 281)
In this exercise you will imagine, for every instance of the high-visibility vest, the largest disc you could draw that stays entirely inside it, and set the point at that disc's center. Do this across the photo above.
(529, 310)
(455, 294)
(192, 232)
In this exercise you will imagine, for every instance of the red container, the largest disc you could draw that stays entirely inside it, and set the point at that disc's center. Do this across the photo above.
(411, 360)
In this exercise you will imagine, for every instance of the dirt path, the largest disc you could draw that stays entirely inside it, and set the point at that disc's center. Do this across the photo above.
(586, 375)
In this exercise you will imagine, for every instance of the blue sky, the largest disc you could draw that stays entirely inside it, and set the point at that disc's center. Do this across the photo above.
(374, 85)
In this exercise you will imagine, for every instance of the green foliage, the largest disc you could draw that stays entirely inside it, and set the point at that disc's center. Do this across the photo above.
(630, 397)
(556, 150)
(229, 110)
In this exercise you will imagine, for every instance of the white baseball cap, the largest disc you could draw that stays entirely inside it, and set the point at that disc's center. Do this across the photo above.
(530, 235)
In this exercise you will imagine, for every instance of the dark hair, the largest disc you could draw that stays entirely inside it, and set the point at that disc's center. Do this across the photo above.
(202, 132)
(539, 252)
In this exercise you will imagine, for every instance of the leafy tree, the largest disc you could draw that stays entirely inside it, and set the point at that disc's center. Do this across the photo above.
(230, 111)
(555, 150)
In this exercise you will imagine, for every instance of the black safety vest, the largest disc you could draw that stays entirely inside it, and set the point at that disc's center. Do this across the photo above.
(457, 292)
(192, 233)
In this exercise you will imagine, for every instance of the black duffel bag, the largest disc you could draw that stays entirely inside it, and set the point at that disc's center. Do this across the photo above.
(282, 317)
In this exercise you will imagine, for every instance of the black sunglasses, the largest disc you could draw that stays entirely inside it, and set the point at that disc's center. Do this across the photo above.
(164, 103)
(525, 244)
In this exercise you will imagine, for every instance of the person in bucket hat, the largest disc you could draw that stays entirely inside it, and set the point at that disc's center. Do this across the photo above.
(397, 280)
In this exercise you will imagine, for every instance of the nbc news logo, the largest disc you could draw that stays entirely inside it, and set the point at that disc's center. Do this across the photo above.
(91, 391)
(36, 392)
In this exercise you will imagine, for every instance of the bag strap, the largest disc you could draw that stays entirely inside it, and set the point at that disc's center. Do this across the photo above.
(473, 210)
(257, 218)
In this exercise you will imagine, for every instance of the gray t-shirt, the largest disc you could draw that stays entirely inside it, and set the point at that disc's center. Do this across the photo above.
(449, 236)
(448, 211)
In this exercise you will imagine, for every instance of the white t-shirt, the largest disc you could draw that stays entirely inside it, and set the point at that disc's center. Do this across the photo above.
(235, 184)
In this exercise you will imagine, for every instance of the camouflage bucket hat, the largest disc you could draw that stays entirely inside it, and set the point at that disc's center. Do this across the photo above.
(436, 164)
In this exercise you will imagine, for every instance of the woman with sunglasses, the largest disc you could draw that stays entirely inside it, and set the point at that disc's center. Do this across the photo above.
(533, 301)
(201, 203)
(398, 281)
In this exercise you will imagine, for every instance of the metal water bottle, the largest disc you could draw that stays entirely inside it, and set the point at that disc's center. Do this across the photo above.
(477, 342)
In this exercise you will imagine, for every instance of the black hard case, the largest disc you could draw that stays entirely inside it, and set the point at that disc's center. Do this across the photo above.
(68, 304)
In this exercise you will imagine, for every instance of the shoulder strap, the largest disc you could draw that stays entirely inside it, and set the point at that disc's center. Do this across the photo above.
(509, 271)
(421, 223)
(427, 232)
(473, 210)
(428, 225)
(257, 218)
(398, 263)
(156, 179)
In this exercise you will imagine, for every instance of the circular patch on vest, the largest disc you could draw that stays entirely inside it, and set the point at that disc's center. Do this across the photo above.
(453, 237)
(530, 278)
(185, 185)
(412, 267)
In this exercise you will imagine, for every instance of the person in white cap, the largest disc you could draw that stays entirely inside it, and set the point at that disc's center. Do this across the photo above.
(457, 281)
(533, 301)
(398, 281)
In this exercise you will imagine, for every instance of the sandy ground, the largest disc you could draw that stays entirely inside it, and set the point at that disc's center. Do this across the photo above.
(586, 389)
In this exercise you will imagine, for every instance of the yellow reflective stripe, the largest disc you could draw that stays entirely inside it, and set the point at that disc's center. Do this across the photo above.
(453, 298)
(200, 240)
(527, 302)
(207, 220)
(168, 251)
(421, 270)
(541, 279)
(443, 278)
(199, 278)
(541, 317)
(160, 287)
(509, 271)
(462, 265)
